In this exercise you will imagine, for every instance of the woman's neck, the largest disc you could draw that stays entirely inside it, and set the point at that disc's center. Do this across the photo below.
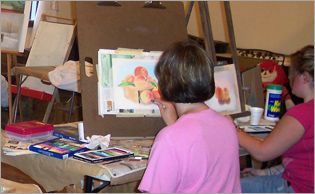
(185, 108)
(309, 97)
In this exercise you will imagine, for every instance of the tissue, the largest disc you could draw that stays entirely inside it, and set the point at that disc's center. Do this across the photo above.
(98, 141)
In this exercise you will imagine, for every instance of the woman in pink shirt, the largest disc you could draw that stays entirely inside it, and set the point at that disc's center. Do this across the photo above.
(198, 149)
(293, 137)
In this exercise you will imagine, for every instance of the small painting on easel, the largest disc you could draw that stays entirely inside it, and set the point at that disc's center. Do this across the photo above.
(226, 99)
(127, 84)
(14, 24)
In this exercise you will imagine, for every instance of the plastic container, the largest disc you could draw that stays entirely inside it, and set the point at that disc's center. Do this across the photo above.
(28, 130)
(273, 102)
(28, 137)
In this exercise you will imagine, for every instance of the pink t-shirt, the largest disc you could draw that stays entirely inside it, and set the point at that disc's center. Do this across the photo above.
(198, 153)
(299, 159)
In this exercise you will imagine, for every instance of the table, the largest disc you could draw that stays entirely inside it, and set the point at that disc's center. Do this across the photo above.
(54, 174)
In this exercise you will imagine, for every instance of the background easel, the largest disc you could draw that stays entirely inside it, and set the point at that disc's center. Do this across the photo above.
(209, 42)
(43, 58)
(11, 59)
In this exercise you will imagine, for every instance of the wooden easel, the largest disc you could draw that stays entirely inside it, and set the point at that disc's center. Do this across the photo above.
(11, 57)
(127, 25)
(209, 42)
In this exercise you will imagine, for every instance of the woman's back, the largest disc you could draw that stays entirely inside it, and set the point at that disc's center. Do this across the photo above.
(299, 159)
(199, 153)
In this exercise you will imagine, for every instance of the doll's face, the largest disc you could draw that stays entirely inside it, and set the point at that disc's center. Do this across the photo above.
(268, 74)
(271, 72)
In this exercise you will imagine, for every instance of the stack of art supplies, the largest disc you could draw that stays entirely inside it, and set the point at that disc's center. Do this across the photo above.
(28, 130)
(35, 136)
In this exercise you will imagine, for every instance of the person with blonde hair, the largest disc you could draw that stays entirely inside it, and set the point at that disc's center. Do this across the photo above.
(292, 137)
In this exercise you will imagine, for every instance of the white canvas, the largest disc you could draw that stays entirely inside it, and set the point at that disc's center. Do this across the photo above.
(226, 99)
(50, 48)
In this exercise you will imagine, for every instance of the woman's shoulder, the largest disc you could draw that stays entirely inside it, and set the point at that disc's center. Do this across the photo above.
(303, 113)
(306, 106)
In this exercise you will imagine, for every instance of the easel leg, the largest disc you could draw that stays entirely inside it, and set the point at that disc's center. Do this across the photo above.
(17, 103)
(89, 185)
(50, 105)
(71, 106)
(9, 65)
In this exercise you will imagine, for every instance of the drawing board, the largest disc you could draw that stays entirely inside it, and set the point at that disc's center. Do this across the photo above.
(130, 25)
(51, 47)
(252, 82)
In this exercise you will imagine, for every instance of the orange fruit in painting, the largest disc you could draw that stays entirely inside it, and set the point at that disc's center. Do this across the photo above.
(146, 97)
(129, 78)
(219, 95)
(141, 71)
(131, 93)
(226, 96)
(156, 93)
(141, 83)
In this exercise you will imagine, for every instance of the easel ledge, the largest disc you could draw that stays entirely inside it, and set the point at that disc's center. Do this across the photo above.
(11, 56)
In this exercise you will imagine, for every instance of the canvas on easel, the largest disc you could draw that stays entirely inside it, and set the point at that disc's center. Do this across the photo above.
(226, 99)
(14, 24)
(127, 84)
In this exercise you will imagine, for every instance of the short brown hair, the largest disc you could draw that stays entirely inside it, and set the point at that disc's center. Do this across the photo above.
(185, 73)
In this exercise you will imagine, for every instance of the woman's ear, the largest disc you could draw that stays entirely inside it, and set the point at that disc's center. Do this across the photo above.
(307, 78)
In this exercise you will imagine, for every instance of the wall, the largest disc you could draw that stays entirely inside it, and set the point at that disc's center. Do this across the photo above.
(280, 27)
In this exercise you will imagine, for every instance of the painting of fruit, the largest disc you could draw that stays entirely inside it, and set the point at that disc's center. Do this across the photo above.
(222, 95)
(140, 87)
(126, 83)
(226, 99)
